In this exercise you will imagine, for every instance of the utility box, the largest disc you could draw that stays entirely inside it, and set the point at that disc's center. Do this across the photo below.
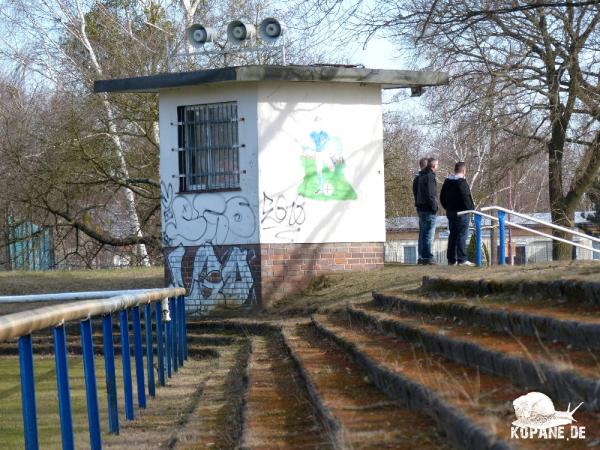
(270, 176)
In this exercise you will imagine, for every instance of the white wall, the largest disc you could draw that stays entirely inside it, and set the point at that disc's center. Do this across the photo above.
(219, 217)
(346, 122)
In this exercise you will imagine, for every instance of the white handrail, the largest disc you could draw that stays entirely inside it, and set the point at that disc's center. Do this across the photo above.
(25, 322)
(542, 222)
(531, 230)
(67, 296)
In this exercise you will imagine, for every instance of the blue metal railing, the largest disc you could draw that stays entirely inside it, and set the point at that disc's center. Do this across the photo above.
(169, 302)
(478, 216)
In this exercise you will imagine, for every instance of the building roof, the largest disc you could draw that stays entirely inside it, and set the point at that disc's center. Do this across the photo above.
(387, 79)
(411, 223)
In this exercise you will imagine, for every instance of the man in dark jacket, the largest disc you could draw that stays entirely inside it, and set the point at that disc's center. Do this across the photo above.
(425, 192)
(456, 197)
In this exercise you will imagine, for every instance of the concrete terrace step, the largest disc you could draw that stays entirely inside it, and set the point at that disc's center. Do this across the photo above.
(216, 419)
(278, 413)
(566, 375)
(546, 322)
(474, 409)
(358, 414)
(572, 290)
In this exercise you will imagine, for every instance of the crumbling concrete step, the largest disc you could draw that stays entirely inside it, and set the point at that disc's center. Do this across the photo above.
(216, 419)
(358, 414)
(473, 409)
(278, 412)
(160, 424)
(576, 291)
(548, 323)
(567, 375)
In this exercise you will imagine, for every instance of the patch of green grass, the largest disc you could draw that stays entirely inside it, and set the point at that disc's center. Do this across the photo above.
(26, 282)
(11, 420)
(44, 282)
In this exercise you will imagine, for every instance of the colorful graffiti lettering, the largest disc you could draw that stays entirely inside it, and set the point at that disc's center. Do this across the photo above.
(216, 281)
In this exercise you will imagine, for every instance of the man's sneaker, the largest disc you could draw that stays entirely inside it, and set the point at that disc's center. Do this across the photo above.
(466, 263)
(429, 262)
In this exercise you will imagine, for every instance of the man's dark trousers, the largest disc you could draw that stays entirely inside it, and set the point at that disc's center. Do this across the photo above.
(457, 241)
(426, 232)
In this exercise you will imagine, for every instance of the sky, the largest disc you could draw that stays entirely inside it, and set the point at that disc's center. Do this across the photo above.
(380, 53)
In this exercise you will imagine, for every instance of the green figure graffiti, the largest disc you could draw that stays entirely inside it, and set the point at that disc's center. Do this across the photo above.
(324, 170)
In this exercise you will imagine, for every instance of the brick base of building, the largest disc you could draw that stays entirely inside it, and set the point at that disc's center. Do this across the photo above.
(286, 269)
(256, 275)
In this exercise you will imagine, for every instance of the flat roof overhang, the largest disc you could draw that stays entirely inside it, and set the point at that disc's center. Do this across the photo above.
(387, 79)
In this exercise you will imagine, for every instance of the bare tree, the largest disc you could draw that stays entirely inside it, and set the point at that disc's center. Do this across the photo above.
(541, 58)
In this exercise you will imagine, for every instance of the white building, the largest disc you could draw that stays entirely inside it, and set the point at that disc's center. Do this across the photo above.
(270, 175)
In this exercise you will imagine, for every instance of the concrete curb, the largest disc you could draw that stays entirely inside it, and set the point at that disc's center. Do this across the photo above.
(329, 421)
(571, 290)
(579, 334)
(461, 431)
(562, 385)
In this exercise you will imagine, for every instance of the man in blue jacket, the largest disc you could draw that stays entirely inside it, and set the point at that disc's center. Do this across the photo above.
(425, 193)
(456, 197)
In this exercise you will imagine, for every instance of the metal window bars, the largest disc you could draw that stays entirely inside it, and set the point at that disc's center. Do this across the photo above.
(169, 303)
(208, 147)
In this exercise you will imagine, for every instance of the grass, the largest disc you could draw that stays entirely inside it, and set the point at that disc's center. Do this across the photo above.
(11, 422)
(25, 282)
(339, 288)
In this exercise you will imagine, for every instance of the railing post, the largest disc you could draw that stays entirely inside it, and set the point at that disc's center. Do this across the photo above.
(478, 258)
(110, 373)
(62, 385)
(174, 332)
(126, 359)
(501, 238)
(180, 329)
(160, 344)
(169, 346)
(91, 392)
(139, 356)
(149, 349)
(28, 393)
(184, 321)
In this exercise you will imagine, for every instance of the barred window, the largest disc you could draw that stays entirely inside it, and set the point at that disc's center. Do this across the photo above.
(208, 147)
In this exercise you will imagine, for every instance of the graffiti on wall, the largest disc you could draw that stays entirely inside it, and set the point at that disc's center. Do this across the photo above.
(284, 217)
(187, 219)
(323, 163)
(214, 276)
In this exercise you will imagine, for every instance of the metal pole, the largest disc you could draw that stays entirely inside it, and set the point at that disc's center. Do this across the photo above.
(185, 335)
(91, 390)
(149, 349)
(126, 359)
(62, 385)
(511, 257)
(181, 329)
(478, 259)
(169, 346)
(160, 345)
(139, 356)
(110, 374)
(502, 237)
(28, 393)
(174, 343)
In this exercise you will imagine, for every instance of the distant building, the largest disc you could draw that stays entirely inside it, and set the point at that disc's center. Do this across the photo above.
(402, 235)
